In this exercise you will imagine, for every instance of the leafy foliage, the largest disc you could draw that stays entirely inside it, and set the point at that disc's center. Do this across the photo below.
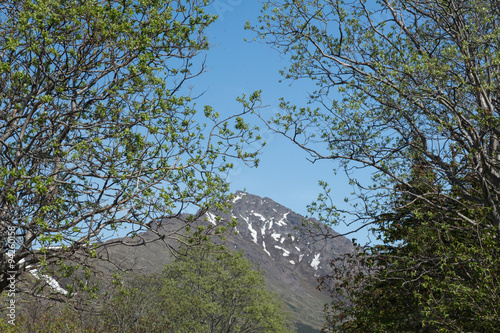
(407, 90)
(431, 273)
(98, 130)
(206, 290)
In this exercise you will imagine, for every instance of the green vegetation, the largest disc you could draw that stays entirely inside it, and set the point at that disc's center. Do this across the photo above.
(207, 289)
(408, 91)
(98, 129)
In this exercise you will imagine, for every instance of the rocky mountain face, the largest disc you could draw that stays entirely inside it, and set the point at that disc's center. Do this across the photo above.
(271, 236)
(279, 233)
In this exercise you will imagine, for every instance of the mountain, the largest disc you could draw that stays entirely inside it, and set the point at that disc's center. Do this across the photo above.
(271, 236)
(279, 233)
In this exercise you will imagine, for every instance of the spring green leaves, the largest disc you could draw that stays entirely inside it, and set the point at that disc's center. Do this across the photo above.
(407, 91)
(98, 130)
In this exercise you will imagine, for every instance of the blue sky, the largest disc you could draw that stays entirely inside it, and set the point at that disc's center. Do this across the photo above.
(237, 67)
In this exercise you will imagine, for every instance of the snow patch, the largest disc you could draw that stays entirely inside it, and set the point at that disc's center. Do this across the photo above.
(297, 248)
(48, 279)
(286, 253)
(282, 221)
(253, 232)
(263, 229)
(291, 262)
(238, 197)
(315, 261)
(212, 218)
(262, 218)
(275, 236)
(282, 240)
(264, 246)
(300, 257)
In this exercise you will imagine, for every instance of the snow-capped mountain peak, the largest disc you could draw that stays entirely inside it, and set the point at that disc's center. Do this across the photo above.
(278, 232)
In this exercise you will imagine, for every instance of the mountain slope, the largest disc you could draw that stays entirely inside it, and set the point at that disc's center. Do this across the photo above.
(271, 236)
(280, 233)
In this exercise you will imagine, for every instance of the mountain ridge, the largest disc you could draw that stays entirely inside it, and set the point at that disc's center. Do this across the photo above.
(281, 233)
(271, 236)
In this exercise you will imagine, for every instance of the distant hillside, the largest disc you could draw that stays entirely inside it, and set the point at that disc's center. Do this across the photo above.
(270, 235)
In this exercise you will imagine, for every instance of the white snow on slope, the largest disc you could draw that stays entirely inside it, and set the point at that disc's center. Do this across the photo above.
(275, 236)
(263, 229)
(271, 223)
(253, 232)
(264, 246)
(282, 221)
(48, 279)
(238, 197)
(315, 261)
(286, 253)
(212, 218)
(262, 218)
(292, 262)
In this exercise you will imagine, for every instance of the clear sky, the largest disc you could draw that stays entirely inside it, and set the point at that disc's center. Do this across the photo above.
(237, 67)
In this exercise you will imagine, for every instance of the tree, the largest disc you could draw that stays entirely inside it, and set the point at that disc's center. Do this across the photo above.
(205, 290)
(400, 82)
(98, 130)
(429, 274)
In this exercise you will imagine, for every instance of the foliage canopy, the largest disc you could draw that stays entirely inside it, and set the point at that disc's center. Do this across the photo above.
(409, 91)
(98, 129)
(205, 290)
